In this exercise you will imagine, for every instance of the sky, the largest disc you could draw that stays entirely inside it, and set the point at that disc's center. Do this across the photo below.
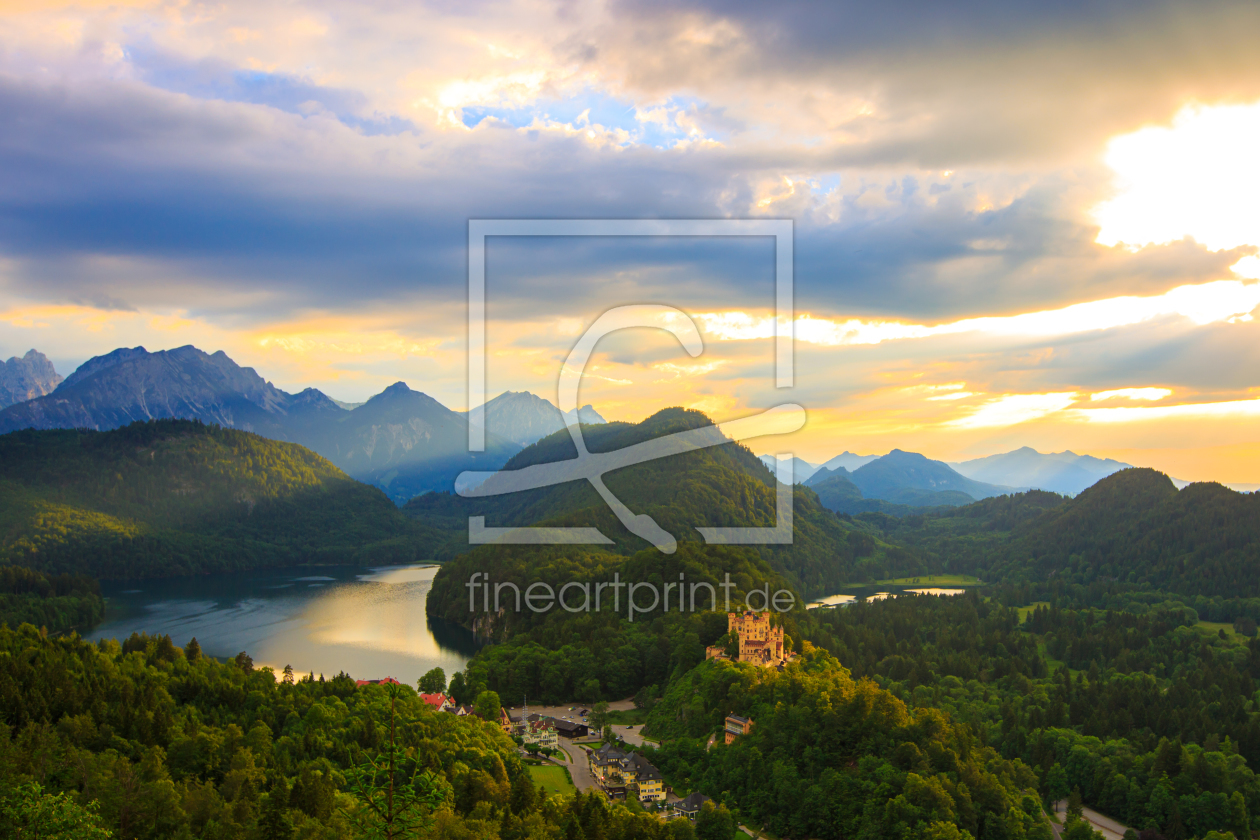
(1015, 223)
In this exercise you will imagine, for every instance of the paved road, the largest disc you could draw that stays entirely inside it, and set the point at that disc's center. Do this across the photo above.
(578, 767)
(1110, 829)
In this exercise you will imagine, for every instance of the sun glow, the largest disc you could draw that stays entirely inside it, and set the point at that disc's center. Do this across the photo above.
(1198, 178)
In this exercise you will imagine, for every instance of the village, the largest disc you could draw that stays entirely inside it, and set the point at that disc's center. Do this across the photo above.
(604, 759)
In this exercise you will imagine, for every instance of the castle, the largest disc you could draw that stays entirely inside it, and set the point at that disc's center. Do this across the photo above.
(759, 643)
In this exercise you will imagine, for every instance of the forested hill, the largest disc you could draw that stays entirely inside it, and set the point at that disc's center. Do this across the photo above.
(723, 486)
(173, 497)
(1133, 527)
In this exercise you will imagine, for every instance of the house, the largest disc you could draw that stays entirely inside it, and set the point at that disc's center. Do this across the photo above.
(386, 681)
(461, 711)
(736, 726)
(648, 781)
(505, 721)
(759, 642)
(618, 771)
(572, 729)
(541, 731)
(691, 806)
(438, 701)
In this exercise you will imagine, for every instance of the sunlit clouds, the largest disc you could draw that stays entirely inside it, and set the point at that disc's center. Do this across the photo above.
(1010, 409)
(1131, 394)
(1009, 230)
(1223, 300)
(1197, 178)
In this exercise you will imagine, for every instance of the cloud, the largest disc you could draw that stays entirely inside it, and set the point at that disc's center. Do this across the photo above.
(1198, 178)
(1011, 409)
(1223, 300)
(1131, 394)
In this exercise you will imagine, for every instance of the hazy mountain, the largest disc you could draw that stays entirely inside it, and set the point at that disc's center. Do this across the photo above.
(25, 378)
(403, 440)
(586, 415)
(837, 491)
(1058, 472)
(407, 443)
(524, 418)
(823, 474)
(802, 470)
(849, 461)
(133, 384)
(912, 479)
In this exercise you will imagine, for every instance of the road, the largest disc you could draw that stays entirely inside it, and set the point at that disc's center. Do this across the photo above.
(578, 767)
(1110, 829)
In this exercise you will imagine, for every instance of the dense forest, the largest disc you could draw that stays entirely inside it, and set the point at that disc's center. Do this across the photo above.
(1112, 660)
(831, 757)
(720, 486)
(1132, 527)
(57, 602)
(147, 740)
(1147, 713)
(173, 497)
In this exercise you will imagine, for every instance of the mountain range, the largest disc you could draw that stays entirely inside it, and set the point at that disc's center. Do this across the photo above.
(403, 441)
(27, 377)
(1059, 472)
(895, 482)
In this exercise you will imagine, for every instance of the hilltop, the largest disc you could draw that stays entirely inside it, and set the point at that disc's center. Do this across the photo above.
(724, 485)
(1133, 527)
(175, 497)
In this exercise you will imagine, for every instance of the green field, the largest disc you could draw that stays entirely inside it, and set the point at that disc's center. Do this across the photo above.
(1024, 611)
(554, 779)
(1213, 627)
(933, 580)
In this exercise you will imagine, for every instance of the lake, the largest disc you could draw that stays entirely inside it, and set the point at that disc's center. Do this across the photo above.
(370, 623)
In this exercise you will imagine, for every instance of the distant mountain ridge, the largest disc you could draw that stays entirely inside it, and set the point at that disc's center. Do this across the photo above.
(896, 484)
(849, 461)
(403, 441)
(525, 418)
(906, 477)
(802, 470)
(130, 384)
(1058, 472)
(25, 378)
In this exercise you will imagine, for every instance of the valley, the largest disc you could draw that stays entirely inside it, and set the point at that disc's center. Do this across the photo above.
(968, 657)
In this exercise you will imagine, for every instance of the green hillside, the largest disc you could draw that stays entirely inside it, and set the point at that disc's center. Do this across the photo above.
(721, 486)
(831, 757)
(175, 497)
(1132, 528)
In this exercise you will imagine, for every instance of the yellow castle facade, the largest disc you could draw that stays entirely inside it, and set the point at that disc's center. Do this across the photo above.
(759, 642)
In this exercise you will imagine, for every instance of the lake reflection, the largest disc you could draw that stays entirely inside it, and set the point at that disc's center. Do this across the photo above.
(369, 623)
